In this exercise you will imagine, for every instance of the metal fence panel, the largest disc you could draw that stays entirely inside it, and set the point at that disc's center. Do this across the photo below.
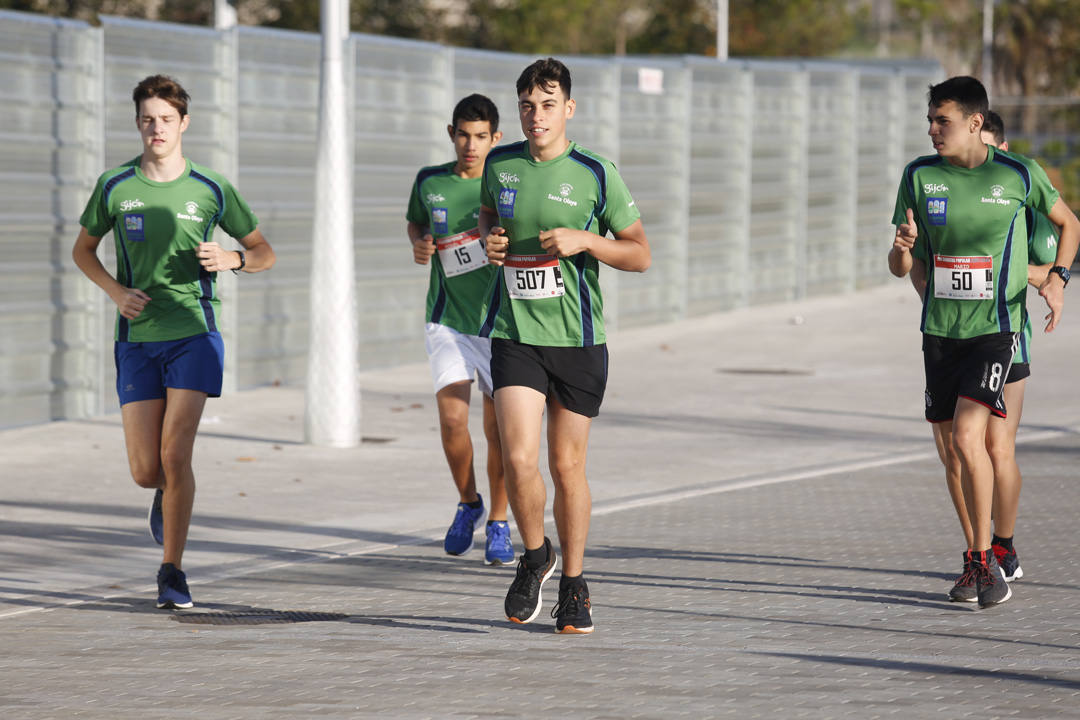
(718, 238)
(830, 181)
(654, 127)
(778, 183)
(50, 361)
(402, 106)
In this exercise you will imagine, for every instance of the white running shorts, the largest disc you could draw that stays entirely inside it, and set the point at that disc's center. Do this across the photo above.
(455, 357)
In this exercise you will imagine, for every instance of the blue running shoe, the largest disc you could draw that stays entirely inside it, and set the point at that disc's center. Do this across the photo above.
(157, 523)
(459, 538)
(173, 591)
(498, 550)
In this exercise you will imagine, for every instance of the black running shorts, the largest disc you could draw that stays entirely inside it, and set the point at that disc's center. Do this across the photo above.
(575, 376)
(974, 368)
(1018, 371)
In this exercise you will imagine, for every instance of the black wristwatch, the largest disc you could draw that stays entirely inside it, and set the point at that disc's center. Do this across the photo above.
(1062, 272)
(243, 262)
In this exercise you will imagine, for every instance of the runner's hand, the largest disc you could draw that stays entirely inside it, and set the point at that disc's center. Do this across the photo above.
(423, 249)
(131, 303)
(564, 242)
(496, 244)
(1053, 291)
(906, 233)
(215, 258)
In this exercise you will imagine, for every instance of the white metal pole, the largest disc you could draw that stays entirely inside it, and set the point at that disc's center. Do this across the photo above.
(721, 29)
(332, 415)
(224, 14)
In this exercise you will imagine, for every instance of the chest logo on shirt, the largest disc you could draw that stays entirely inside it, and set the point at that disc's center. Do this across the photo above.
(435, 198)
(564, 195)
(935, 188)
(133, 227)
(191, 212)
(936, 210)
(996, 192)
(506, 177)
(439, 220)
(126, 205)
(507, 197)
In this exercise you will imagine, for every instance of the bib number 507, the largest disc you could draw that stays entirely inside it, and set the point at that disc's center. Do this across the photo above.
(529, 279)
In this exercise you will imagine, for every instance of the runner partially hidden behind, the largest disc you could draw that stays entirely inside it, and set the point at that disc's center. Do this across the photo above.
(443, 211)
(162, 210)
(961, 219)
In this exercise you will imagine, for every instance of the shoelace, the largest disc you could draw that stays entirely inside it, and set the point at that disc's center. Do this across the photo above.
(967, 577)
(983, 574)
(462, 525)
(500, 536)
(570, 603)
(524, 581)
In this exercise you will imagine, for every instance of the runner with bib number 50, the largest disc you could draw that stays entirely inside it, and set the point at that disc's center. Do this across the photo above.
(961, 222)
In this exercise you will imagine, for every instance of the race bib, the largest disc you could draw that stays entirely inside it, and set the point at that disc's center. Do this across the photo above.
(532, 277)
(461, 253)
(964, 278)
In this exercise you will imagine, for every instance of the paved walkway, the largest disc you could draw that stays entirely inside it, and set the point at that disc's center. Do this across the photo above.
(771, 538)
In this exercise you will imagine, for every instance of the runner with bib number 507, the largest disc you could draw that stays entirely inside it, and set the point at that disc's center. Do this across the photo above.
(547, 207)
(960, 215)
(442, 216)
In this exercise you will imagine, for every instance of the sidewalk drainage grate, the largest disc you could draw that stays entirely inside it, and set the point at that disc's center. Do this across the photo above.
(257, 617)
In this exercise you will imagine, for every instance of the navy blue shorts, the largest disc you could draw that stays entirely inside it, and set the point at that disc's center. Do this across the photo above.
(145, 369)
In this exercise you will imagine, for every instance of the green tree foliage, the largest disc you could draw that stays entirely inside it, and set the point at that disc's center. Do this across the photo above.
(792, 28)
(542, 26)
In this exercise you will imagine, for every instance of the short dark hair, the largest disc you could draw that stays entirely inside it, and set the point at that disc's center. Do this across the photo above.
(993, 124)
(544, 74)
(965, 91)
(164, 87)
(474, 108)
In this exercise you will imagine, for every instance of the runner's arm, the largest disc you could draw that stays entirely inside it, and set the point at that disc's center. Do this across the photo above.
(903, 241)
(496, 244)
(129, 301)
(1053, 288)
(628, 250)
(259, 255)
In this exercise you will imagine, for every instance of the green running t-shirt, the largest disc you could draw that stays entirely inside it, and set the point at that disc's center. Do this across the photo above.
(539, 299)
(972, 235)
(461, 279)
(157, 227)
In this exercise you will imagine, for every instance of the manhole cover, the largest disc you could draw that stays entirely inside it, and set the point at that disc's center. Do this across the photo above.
(764, 371)
(257, 617)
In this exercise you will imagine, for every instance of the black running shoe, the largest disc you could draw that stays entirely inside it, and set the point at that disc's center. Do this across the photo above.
(989, 579)
(1009, 562)
(523, 600)
(964, 590)
(172, 588)
(573, 614)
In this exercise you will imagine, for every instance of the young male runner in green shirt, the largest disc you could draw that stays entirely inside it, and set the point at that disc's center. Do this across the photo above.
(1000, 432)
(547, 206)
(443, 211)
(162, 210)
(961, 213)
